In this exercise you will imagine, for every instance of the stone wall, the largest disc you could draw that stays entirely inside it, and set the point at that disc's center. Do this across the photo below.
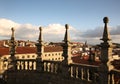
(33, 77)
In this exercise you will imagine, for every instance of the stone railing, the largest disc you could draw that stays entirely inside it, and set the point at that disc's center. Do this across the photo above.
(27, 64)
(114, 77)
(84, 72)
(51, 66)
(80, 72)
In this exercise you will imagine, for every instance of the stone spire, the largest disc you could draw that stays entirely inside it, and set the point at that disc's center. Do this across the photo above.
(67, 46)
(12, 44)
(106, 51)
(106, 55)
(40, 35)
(66, 38)
(66, 54)
(12, 36)
(106, 35)
(40, 51)
(40, 47)
(12, 49)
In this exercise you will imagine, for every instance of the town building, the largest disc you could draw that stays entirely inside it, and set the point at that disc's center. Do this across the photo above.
(66, 71)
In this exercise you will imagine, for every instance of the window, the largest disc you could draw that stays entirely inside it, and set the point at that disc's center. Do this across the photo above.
(59, 58)
(28, 56)
(55, 58)
(5, 58)
(45, 54)
(17, 57)
(33, 56)
(23, 56)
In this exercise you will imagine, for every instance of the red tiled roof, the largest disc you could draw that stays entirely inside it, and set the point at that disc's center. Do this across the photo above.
(4, 51)
(1, 43)
(25, 50)
(83, 61)
(53, 49)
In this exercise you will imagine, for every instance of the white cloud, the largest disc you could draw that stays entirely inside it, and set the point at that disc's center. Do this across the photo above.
(94, 35)
(5, 26)
(54, 32)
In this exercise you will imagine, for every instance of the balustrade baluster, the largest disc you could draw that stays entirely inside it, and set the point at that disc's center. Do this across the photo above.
(49, 67)
(77, 72)
(52, 67)
(34, 65)
(28, 65)
(74, 71)
(31, 65)
(111, 78)
(18, 65)
(56, 68)
(45, 66)
(85, 73)
(23, 65)
(88, 75)
(82, 74)
(71, 71)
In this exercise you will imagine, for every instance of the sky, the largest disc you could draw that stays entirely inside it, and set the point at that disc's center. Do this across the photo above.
(85, 19)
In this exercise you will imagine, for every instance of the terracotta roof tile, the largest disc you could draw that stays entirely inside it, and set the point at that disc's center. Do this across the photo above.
(83, 61)
(26, 50)
(53, 49)
(4, 51)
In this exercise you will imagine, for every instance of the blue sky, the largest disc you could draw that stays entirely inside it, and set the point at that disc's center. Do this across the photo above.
(82, 15)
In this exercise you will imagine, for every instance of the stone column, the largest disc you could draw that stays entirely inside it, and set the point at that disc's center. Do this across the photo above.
(40, 51)
(66, 53)
(106, 55)
(12, 49)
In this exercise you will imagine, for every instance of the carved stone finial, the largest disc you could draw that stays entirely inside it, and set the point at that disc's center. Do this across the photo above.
(106, 55)
(40, 35)
(66, 26)
(12, 29)
(40, 28)
(66, 38)
(105, 19)
(106, 35)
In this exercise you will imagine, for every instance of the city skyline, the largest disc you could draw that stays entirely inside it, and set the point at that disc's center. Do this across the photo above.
(84, 17)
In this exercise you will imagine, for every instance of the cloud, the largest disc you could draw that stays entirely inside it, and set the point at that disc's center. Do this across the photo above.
(5, 26)
(115, 30)
(93, 33)
(55, 32)
(52, 32)
(93, 36)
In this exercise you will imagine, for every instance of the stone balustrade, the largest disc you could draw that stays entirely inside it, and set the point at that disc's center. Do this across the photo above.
(84, 72)
(27, 64)
(51, 66)
(80, 72)
(114, 76)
